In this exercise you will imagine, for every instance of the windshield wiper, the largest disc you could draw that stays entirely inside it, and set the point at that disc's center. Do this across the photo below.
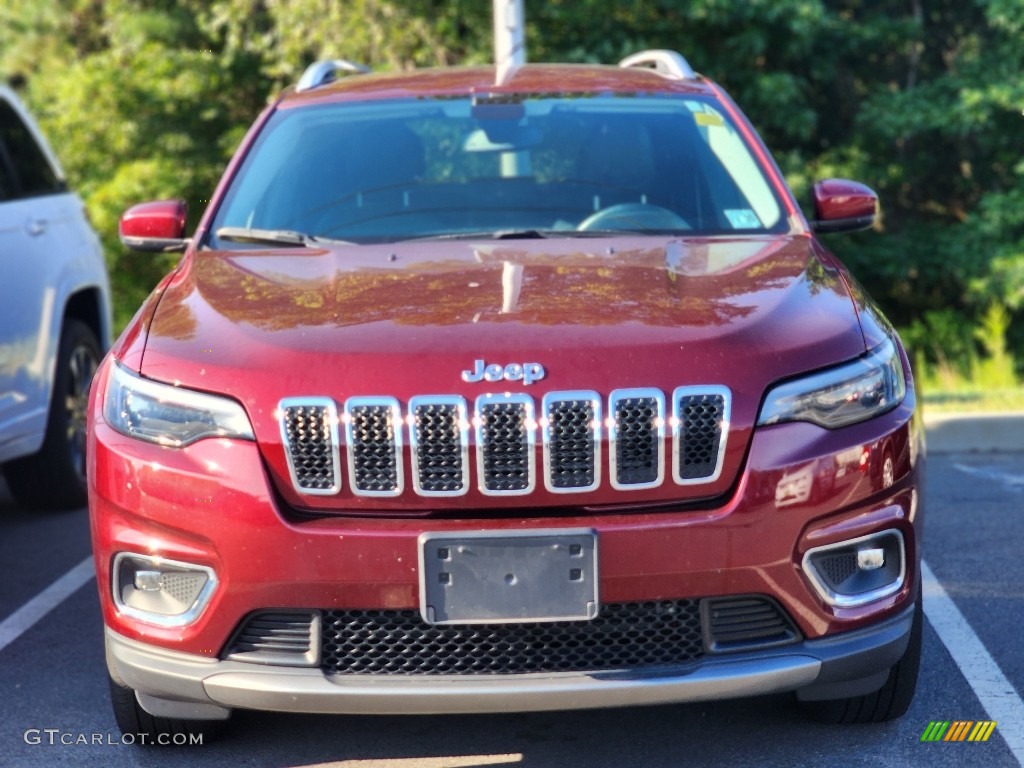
(272, 237)
(496, 234)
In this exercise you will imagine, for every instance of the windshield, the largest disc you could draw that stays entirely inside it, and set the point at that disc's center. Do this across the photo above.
(393, 170)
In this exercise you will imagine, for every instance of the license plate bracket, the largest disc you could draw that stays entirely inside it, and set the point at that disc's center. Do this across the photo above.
(484, 577)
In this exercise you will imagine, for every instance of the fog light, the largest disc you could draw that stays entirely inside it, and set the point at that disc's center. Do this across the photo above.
(858, 571)
(158, 591)
(870, 559)
(148, 581)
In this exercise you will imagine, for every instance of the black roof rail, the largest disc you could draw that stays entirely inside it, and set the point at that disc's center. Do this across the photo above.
(323, 72)
(665, 63)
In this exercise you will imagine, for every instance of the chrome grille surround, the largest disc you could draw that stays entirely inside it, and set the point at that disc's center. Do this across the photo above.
(373, 432)
(636, 438)
(309, 433)
(571, 430)
(439, 445)
(505, 426)
(506, 429)
(700, 424)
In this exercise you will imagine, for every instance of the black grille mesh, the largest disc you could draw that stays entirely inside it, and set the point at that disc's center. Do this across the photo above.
(506, 449)
(438, 448)
(572, 451)
(310, 446)
(624, 636)
(701, 433)
(374, 459)
(636, 440)
(837, 568)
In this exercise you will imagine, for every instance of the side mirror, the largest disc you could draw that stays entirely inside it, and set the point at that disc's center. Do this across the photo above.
(843, 206)
(156, 227)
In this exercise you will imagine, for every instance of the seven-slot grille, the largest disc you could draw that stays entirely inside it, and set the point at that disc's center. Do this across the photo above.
(505, 428)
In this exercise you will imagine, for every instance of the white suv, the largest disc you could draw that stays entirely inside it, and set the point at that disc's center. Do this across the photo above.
(54, 318)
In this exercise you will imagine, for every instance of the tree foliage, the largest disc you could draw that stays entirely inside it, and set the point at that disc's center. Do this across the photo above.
(921, 99)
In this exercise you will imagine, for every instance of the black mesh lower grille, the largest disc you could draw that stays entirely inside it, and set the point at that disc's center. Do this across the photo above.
(624, 636)
(700, 427)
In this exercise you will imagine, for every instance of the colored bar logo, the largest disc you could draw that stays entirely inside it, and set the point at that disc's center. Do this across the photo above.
(958, 730)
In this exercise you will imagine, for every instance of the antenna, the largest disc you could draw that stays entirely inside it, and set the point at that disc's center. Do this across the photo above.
(509, 43)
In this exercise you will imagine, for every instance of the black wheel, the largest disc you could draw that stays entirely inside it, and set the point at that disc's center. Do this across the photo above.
(890, 701)
(54, 478)
(149, 730)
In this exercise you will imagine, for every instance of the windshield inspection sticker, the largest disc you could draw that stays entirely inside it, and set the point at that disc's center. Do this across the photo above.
(708, 118)
(743, 218)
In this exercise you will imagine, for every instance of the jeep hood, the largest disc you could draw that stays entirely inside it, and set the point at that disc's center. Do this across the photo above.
(407, 319)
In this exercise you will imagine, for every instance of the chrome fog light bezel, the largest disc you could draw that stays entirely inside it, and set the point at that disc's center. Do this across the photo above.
(856, 599)
(163, 565)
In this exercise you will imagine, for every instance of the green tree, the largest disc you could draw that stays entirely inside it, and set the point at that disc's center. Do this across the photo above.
(138, 105)
(921, 100)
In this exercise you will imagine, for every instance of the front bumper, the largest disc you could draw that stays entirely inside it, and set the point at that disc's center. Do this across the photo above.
(173, 684)
(211, 505)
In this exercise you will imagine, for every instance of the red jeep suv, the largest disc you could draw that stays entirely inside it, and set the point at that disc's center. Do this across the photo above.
(529, 393)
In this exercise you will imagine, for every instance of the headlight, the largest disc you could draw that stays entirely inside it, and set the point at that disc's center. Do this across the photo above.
(167, 415)
(843, 395)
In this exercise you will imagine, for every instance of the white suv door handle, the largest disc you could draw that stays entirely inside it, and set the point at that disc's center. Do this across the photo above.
(35, 227)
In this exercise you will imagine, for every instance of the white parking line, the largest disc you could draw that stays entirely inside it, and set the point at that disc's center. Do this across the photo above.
(22, 619)
(1012, 482)
(997, 695)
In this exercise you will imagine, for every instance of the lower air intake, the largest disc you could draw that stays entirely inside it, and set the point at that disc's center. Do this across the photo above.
(277, 637)
(623, 636)
(740, 623)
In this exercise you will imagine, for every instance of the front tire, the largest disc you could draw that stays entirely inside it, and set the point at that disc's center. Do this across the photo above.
(150, 730)
(890, 701)
(54, 478)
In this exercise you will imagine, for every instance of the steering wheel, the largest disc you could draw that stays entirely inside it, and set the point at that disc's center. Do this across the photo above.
(633, 216)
